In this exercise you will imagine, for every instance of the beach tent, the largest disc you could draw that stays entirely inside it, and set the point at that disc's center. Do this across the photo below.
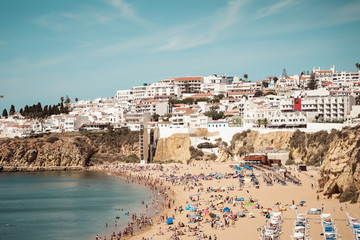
(169, 221)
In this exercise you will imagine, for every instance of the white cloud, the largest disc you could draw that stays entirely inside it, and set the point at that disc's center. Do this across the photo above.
(186, 36)
(205, 31)
(126, 10)
(49, 21)
(347, 13)
(273, 9)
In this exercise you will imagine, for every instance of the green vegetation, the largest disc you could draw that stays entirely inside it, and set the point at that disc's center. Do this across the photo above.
(113, 139)
(207, 145)
(195, 153)
(213, 157)
(259, 93)
(238, 137)
(132, 158)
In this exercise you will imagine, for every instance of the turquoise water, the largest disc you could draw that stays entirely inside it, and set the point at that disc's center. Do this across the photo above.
(65, 205)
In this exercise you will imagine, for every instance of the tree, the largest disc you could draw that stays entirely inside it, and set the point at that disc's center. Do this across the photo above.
(258, 93)
(12, 110)
(270, 93)
(265, 122)
(357, 65)
(76, 99)
(357, 100)
(5, 113)
(275, 80)
(265, 84)
(259, 122)
(221, 96)
(62, 99)
(246, 76)
(214, 114)
(312, 83)
(155, 117)
(67, 101)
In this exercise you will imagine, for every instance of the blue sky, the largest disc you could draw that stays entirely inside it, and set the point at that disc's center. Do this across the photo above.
(91, 48)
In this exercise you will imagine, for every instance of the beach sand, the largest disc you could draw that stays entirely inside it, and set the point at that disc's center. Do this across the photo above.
(266, 196)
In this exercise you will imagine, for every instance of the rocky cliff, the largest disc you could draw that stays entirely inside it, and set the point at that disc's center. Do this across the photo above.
(175, 147)
(337, 152)
(68, 150)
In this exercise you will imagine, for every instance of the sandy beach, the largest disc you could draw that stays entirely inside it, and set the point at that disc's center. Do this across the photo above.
(212, 187)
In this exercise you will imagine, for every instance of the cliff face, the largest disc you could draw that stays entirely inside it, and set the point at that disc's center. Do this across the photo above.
(175, 147)
(67, 150)
(340, 168)
(338, 151)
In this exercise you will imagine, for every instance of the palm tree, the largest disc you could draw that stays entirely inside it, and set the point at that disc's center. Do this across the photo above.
(62, 99)
(76, 99)
(265, 122)
(357, 65)
(259, 122)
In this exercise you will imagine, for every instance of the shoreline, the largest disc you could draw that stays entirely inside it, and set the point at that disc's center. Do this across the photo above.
(161, 188)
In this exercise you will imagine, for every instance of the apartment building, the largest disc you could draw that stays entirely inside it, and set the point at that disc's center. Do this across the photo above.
(325, 108)
(188, 84)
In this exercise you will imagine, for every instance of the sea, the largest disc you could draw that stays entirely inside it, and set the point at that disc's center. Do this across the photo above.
(67, 205)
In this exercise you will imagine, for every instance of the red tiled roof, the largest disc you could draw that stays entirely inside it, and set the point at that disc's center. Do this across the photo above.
(188, 78)
(327, 83)
(164, 96)
(180, 109)
(189, 112)
(323, 71)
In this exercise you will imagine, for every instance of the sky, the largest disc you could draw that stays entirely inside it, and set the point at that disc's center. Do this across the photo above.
(91, 48)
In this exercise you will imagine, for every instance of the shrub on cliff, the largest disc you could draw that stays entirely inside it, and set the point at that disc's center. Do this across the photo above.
(350, 194)
(132, 158)
(52, 139)
(206, 145)
(239, 137)
(194, 152)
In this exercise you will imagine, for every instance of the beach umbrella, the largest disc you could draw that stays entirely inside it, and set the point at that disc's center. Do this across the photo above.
(188, 207)
(249, 204)
(303, 202)
(207, 217)
(254, 206)
(226, 209)
(193, 209)
(265, 210)
(293, 207)
(205, 211)
(217, 217)
(220, 202)
(251, 214)
(169, 221)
